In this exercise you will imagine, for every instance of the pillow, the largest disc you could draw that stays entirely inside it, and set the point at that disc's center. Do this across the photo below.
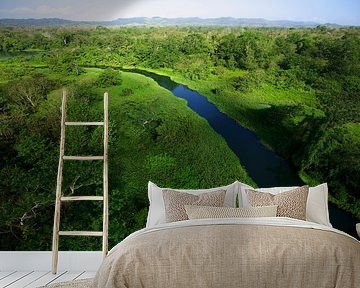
(317, 210)
(290, 203)
(156, 214)
(241, 197)
(201, 212)
(175, 201)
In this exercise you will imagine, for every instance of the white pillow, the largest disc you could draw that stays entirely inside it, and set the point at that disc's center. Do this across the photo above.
(317, 203)
(156, 214)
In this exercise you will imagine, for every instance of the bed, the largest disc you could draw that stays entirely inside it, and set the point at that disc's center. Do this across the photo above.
(233, 251)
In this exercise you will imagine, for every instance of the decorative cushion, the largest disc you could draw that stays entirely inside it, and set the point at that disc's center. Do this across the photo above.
(290, 203)
(201, 212)
(317, 210)
(156, 214)
(175, 202)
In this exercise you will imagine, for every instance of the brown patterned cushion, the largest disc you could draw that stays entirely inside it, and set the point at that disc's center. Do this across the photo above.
(175, 201)
(290, 203)
(201, 212)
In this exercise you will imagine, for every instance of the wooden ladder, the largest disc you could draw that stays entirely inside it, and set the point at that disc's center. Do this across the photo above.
(60, 198)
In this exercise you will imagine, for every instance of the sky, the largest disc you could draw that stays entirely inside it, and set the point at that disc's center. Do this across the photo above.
(345, 12)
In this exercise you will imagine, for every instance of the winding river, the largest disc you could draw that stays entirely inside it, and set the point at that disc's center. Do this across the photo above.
(264, 166)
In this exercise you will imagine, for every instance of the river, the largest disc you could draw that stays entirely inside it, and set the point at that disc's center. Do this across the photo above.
(263, 165)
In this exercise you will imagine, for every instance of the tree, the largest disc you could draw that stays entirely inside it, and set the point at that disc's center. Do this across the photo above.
(25, 95)
(109, 77)
(336, 157)
(195, 67)
(195, 44)
(65, 61)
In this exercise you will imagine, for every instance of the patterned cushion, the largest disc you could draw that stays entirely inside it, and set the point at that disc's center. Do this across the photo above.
(201, 212)
(290, 203)
(174, 202)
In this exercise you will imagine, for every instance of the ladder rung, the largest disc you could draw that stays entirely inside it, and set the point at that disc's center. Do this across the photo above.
(83, 157)
(80, 233)
(82, 198)
(84, 123)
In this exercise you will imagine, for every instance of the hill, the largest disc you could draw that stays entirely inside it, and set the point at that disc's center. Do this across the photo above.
(159, 21)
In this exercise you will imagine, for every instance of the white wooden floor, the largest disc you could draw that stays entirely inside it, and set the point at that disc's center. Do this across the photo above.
(32, 268)
(32, 279)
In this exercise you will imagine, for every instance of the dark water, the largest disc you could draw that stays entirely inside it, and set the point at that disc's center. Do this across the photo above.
(264, 166)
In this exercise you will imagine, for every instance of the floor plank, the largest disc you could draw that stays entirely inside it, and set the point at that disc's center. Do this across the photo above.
(86, 275)
(5, 282)
(5, 274)
(68, 276)
(28, 279)
(34, 279)
(46, 279)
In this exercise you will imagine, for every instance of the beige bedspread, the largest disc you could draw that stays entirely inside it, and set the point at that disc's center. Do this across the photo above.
(233, 254)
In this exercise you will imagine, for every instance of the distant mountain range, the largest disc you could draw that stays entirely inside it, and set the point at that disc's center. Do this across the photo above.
(158, 21)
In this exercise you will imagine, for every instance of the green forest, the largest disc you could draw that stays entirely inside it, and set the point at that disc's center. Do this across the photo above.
(297, 89)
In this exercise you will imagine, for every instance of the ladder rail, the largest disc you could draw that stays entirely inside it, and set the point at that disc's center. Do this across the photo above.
(105, 176)
(55, 243)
